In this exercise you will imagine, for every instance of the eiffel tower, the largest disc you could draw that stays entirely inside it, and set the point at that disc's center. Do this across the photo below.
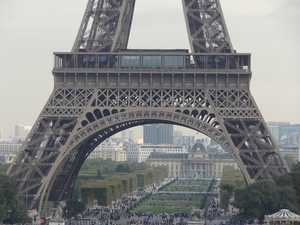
(102, 88)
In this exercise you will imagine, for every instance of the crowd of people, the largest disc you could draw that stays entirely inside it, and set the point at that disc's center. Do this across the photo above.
(119, 212)
(127, 218)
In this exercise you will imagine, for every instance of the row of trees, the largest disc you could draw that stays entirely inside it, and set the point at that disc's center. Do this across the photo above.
(101, 169)
(11, 208)
(106, 180)
(107, 190)
(264, 197)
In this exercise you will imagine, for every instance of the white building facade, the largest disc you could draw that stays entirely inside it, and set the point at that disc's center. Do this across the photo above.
(198, 163)
(9, 151)
(110, 150)
(144, 151)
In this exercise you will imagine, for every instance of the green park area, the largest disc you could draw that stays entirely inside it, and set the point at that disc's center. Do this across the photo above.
(156, 204)
(263, 197)
(190, 186)
(177, 197)
(106, 181)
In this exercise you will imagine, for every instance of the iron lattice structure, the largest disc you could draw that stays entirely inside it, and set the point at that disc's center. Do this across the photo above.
(100, 89)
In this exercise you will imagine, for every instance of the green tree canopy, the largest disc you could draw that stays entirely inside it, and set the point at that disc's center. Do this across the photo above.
(263, 198)
(11, 210)
(3, 169)
(232, 180)
(123, 168)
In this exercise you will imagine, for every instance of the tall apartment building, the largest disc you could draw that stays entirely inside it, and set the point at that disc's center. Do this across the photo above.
(157, 134)
(132, 151)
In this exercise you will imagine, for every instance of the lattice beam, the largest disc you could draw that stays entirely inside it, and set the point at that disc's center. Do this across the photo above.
(206, 26)
(105, 26)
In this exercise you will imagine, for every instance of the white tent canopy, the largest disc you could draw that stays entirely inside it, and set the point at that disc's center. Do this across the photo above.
(283, 216)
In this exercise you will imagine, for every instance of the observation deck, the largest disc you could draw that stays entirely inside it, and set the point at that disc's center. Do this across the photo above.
(73, 67)
(152, 59)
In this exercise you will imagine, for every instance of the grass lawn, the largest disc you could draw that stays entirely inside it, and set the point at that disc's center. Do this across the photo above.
(175, 203)
(156, 206)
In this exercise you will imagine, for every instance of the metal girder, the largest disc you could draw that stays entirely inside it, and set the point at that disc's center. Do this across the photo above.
(60, 142)
(206, 26)
(86, 138)
(256, 147)
(105, 26)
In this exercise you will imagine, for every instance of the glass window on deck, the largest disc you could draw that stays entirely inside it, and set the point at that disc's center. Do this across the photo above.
(244, 62)
(176, 61)
(200, 61)
(87, 61)
(130, 61)
(103, 61)
(233, 62)
(68, 61)
(220, 61)
(152, 61)
(211, 62)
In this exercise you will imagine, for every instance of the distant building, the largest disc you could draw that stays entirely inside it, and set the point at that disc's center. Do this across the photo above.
(221, 161)
(21, 132)
(9, 151)
(275, 131)
(9, 148)
(132, 151)
(176, 163)
(144, 151)
(157, 134)
(185, 141)
(7, 159)
(197, 163)
(110, 150)
(285, 133)
(291, 153)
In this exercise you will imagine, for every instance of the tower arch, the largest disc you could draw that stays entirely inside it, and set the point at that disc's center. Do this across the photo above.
(101, 88)
(90, 136)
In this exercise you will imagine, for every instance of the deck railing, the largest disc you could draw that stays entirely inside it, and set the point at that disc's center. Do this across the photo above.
(152, 61)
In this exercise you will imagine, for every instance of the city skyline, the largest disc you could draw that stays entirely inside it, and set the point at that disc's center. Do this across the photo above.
(275, 23)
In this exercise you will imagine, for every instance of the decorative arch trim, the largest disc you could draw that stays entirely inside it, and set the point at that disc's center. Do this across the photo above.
(143, 116)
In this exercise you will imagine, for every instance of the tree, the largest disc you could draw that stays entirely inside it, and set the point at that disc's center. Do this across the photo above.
(74, 207)
(227, 192)
(11, 208)
(232, 180)
(291, 161)
(263, 198)
(123, 168)
(294, 179)
(99, 174)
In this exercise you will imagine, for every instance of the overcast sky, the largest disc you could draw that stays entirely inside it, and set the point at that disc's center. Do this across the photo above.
(30, 30)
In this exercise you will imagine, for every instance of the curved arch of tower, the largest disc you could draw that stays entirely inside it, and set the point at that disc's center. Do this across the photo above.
(102, 88)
